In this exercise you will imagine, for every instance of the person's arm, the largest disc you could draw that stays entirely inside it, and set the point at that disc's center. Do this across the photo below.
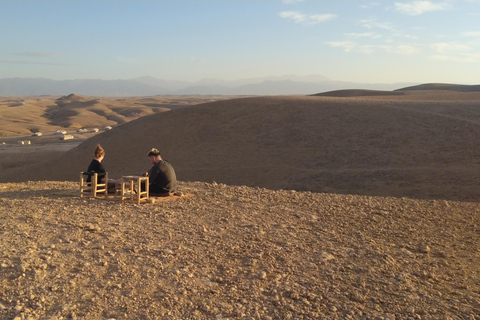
(153, 173)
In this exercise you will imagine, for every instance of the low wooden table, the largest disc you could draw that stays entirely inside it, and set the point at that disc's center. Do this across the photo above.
(132, 184)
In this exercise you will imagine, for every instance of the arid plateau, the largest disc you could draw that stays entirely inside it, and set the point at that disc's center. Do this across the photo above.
(352, 204)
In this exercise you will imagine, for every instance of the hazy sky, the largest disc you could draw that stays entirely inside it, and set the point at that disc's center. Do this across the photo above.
(363, 41)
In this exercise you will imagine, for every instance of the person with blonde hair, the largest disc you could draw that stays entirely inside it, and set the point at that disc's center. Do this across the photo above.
(162, 177)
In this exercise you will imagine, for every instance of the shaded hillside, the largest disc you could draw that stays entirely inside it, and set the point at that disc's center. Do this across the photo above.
(422, 91)
(358, 146)
(357, 93)
(443, 86)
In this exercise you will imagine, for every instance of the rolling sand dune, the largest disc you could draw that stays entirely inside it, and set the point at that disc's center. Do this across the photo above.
(384, 222)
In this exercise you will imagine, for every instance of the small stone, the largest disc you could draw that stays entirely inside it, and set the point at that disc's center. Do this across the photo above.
(326, 256)
(20, 268)
(262, 275)
(410, 310)
(355, 296)
(389, 316)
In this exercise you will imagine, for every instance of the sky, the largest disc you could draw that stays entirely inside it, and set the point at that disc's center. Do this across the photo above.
(360, 41)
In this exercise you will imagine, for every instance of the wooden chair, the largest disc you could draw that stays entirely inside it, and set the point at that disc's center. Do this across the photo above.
(93, 187)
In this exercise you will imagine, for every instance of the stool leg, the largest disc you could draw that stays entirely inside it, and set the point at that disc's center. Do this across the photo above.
(147, 189)
(122, 195)
(94, 185)
(139, 186)
(81, 185)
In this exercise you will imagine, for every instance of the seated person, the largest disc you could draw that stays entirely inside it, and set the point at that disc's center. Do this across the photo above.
(97, 167)
(162, 177)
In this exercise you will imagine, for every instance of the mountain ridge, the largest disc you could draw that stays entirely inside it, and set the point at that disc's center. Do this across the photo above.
(148, 86)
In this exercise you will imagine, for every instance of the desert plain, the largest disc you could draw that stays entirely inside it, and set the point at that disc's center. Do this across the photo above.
(353, 204)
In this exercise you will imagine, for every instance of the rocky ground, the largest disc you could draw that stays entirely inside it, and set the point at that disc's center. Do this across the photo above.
(237, 253)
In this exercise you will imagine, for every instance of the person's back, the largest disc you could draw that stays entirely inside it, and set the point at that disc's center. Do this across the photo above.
(96, 164)
(162, 177)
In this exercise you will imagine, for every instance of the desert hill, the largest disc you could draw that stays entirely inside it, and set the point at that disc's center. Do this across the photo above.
(418, 145)
(238, 252)
(442, 86)
(427, 91)
(25, 115)
(357, 93)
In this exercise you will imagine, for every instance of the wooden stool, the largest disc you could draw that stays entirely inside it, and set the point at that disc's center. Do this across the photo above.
(130, 184)
(92, 188)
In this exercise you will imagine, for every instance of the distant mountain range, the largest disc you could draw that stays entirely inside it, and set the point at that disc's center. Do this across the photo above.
(148, 86)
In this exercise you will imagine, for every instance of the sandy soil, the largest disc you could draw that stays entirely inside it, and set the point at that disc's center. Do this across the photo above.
(384, 224)
(236, 252)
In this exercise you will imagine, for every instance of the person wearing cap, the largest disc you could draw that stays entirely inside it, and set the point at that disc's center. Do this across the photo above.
(162, 177)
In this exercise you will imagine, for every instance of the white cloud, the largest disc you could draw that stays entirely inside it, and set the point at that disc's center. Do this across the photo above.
(299, 17)
(366, 48)
(369, 5)
(472, 34)
(370, 35)
(402, 49)
(449, 47)
(349, 46)
(373, 24)
(418, 7)
(346, 45)
(455, 52)
(471, 58)
(291, 1)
